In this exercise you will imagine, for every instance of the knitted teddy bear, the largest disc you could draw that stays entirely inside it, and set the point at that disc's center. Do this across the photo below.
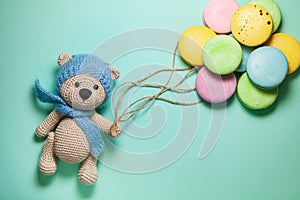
(73, 129)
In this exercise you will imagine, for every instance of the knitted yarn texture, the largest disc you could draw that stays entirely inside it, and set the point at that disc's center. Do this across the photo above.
(80, 64)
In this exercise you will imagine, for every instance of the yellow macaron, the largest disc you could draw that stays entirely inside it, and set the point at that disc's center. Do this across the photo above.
(252, 25)
(290, 48)
(191, 43)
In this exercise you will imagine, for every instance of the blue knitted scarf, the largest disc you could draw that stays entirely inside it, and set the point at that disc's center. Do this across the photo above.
(90, 129)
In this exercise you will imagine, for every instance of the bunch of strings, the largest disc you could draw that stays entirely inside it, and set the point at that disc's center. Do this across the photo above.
(144, 102)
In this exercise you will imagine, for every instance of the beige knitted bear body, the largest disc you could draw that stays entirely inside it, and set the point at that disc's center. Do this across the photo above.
(65, 139)
(73, 150)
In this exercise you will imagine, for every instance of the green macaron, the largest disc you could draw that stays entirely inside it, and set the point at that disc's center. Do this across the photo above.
(273, 9)
(252, 97)
(222, 54)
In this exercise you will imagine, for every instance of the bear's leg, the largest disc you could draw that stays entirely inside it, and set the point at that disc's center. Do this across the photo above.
(87, 173)
(47, 162)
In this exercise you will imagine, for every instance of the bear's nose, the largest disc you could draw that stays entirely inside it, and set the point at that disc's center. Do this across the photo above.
(85, 93)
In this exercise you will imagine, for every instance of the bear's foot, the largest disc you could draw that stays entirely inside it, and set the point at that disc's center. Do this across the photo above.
(47, 162)
(87, 173)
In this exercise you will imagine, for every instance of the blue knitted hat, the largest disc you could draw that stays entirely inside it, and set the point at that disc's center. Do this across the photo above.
(86, 64)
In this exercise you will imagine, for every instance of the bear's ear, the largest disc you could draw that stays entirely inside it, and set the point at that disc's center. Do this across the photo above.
(63, 58)
(114, 72)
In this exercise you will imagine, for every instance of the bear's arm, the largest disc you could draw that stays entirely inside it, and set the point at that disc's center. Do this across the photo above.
(104, 124)
(48, 124)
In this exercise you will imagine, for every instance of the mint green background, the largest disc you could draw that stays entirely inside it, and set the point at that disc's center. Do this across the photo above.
(257, 156)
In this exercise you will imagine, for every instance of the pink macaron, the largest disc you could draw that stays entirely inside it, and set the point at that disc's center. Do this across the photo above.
(215, 88)
(217, 14)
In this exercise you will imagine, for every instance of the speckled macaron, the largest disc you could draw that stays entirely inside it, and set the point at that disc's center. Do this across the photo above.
(273, 9)
(214, 88)
(267, 67)
(222, 54)
(252, 25)
(253, 97)
(290, 48)
(191, 43)
(217, 14)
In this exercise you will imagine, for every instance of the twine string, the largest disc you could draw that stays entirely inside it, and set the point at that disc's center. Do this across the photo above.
(147, 101)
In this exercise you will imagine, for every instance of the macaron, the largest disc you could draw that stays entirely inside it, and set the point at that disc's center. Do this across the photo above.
(267, 67)
(191, 43)
(222, 54)
(217, 14)
(273, 9)
(214, 88)
(290, 48)
(253, 97)
(246, 52)
(252, 25)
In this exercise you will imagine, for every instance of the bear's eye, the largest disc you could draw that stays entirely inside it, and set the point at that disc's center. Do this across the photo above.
(76, 84)
(96, 87)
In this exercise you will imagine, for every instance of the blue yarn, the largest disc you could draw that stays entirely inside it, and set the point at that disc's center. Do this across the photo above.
(86, 64)
(80, 64)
